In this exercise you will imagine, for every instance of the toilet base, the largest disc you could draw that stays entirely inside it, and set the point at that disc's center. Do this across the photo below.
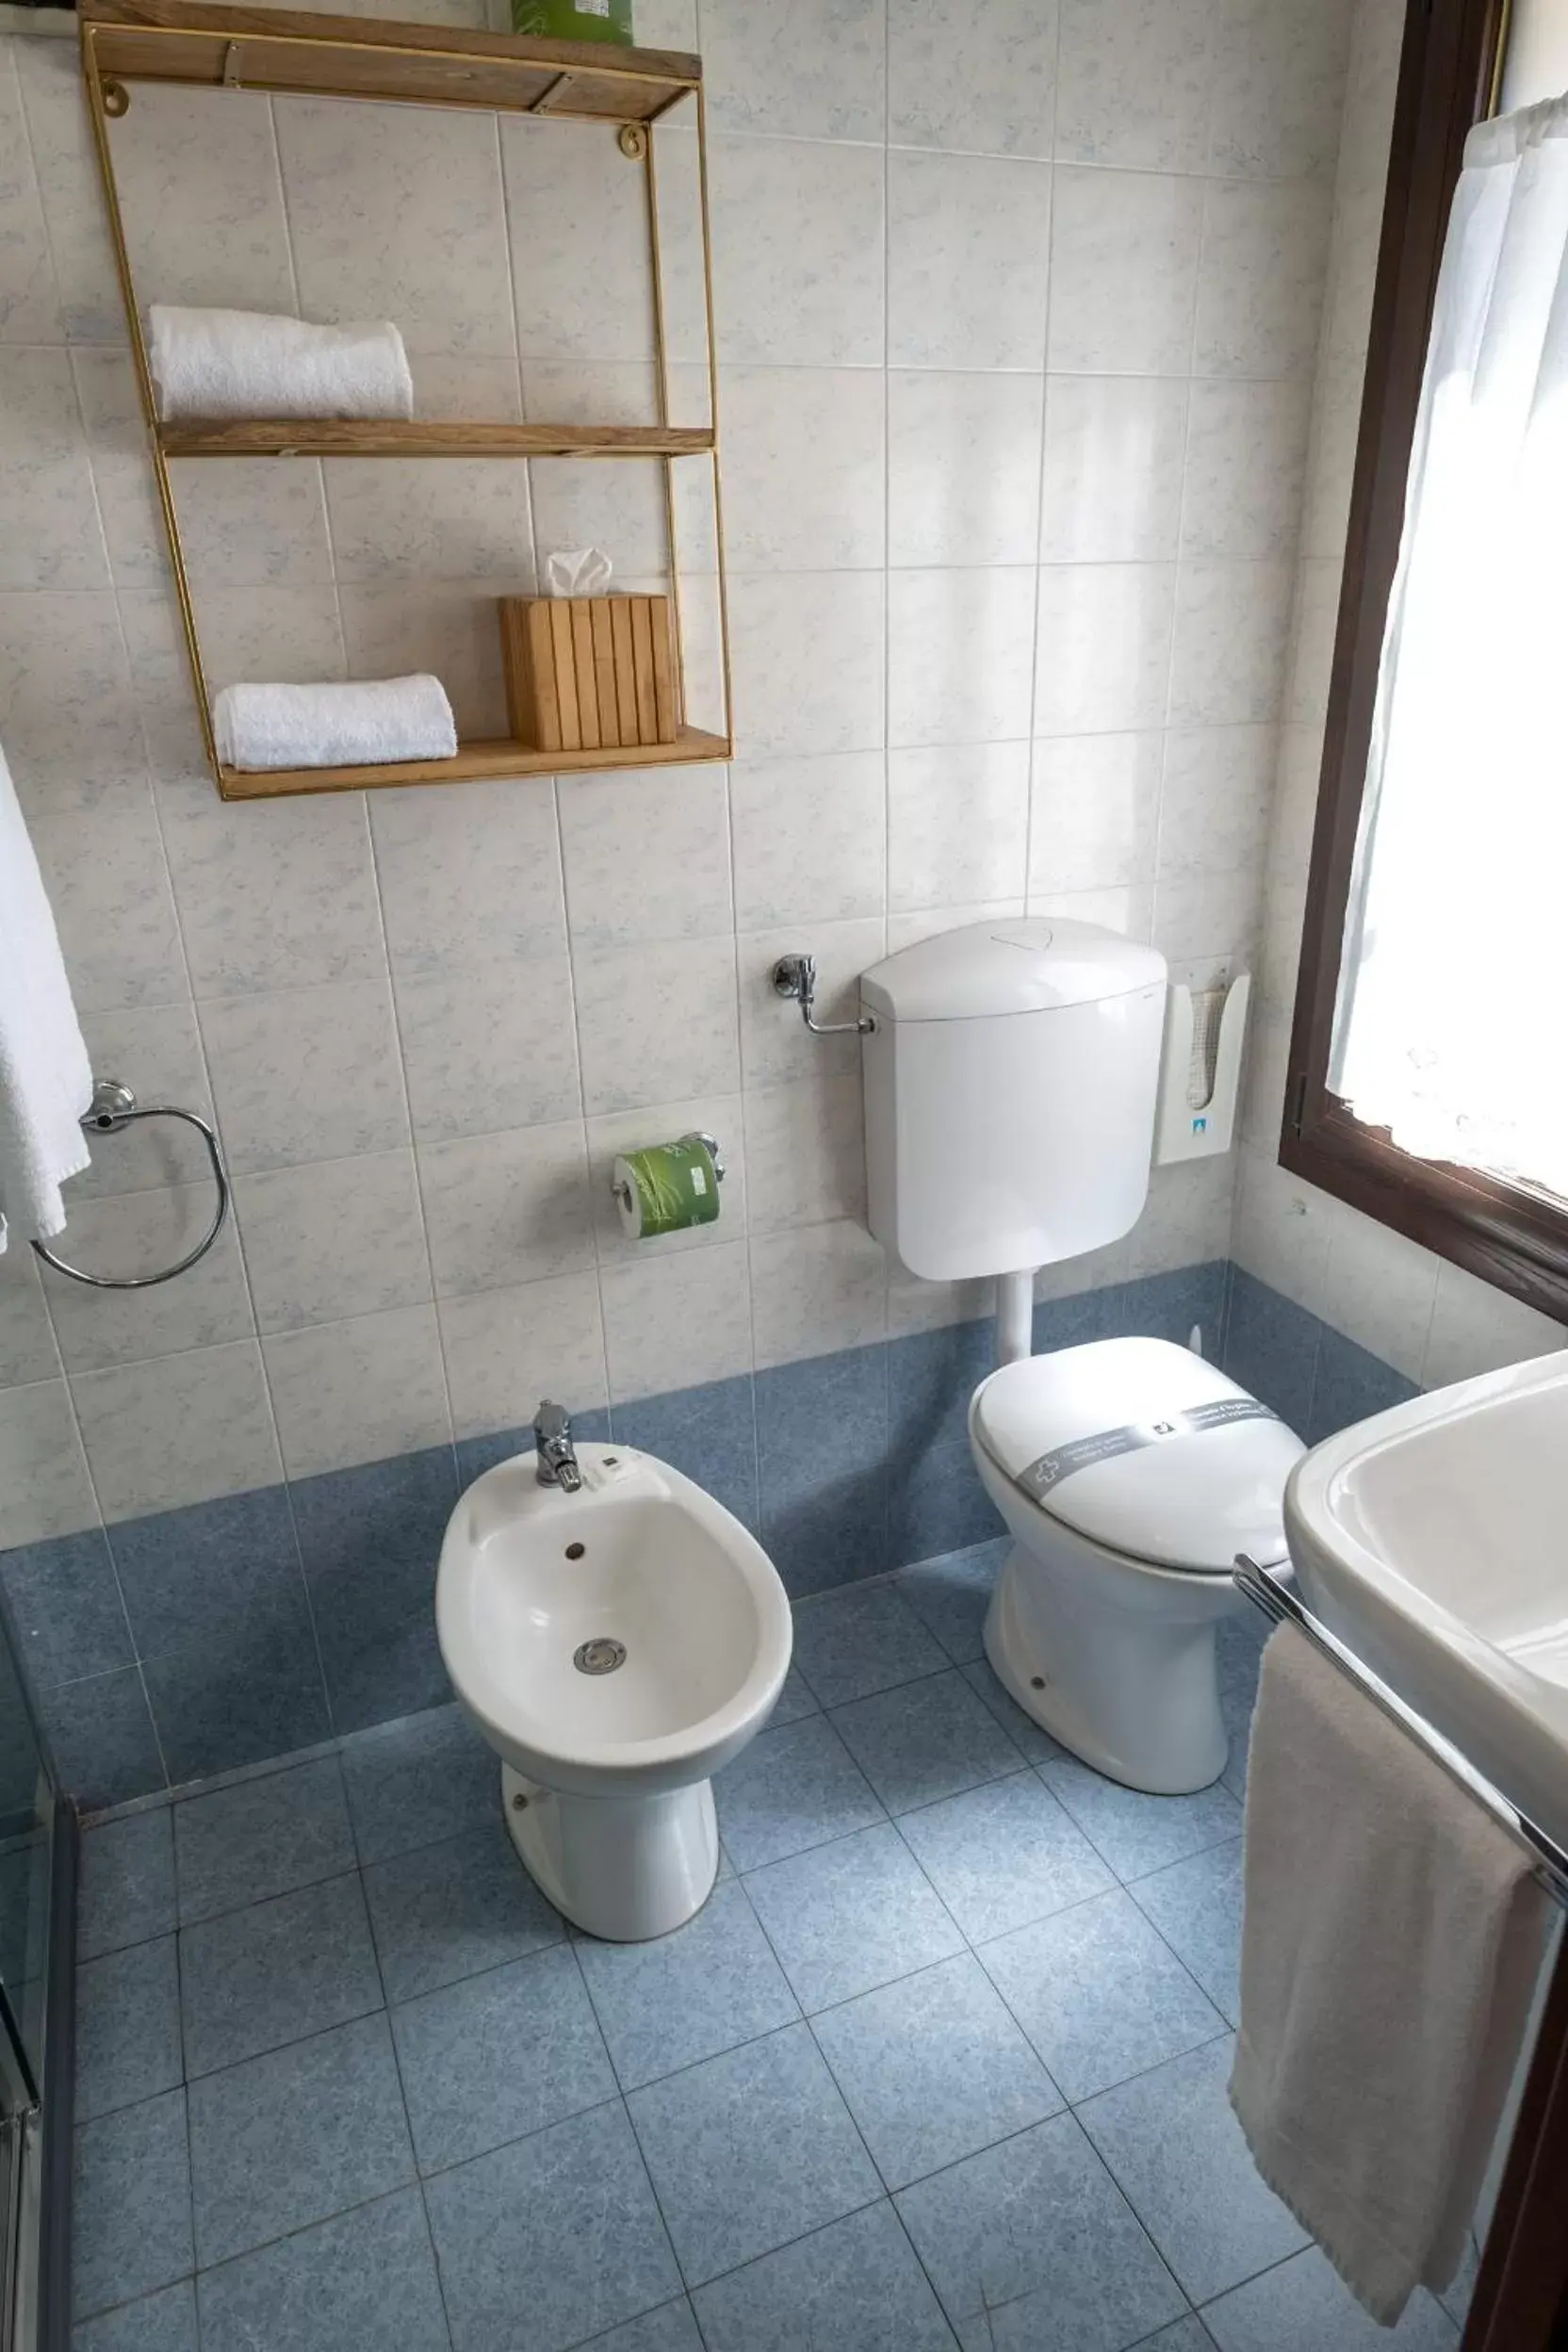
(1133, 1693)
(625, 1869)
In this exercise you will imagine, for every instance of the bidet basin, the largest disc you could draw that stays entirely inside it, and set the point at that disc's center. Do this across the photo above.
(616, 1646)
(1433, 1540)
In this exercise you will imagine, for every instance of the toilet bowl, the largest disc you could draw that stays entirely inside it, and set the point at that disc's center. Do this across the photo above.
(1130, 1474)
(616, 1646)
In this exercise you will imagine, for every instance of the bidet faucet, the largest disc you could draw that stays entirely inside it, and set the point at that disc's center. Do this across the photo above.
(552, 1443)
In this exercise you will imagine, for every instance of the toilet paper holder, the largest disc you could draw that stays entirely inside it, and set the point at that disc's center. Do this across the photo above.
(621, 1193)
(797, 977)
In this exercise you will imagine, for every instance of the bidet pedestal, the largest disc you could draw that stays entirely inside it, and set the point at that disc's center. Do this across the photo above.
(625, 1869)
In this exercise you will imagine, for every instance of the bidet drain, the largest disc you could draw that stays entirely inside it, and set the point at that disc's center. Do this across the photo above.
(599, 1657)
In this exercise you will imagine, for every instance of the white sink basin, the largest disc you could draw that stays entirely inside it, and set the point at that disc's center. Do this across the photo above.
(1433, 1540)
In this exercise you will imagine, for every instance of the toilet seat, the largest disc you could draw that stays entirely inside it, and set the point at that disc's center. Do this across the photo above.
(1143, 1448)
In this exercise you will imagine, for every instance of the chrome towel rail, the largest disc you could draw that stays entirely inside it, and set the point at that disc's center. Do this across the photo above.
(1266, 1592)
(114, 1106)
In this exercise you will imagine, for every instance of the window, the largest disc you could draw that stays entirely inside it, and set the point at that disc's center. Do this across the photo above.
(1429, 1067)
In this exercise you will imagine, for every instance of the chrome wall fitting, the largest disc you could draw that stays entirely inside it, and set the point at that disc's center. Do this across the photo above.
(114, 1106)
(797, 977)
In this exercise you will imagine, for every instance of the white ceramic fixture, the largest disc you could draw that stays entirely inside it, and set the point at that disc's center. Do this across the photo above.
(616, 1646)
(1130, 1474)
(1431, 1539)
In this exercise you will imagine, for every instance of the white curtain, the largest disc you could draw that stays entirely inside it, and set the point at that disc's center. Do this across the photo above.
(1451, 1027)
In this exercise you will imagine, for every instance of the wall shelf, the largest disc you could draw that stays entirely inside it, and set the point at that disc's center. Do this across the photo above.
(188, 43)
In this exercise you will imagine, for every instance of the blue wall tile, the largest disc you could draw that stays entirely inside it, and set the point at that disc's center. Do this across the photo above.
(822, 1442)
(709, 1433)
(935, 1503)
(102, 1739)
(246, 1691)
(208, 1567)
(1073, 1322)
(65, 1608)
(1271, 1347)
(370, 1540)
(931, 1378)
(1350, 1386)
(1166, 1306)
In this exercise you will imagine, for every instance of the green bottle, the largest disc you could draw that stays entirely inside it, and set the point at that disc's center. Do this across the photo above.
(575, 19)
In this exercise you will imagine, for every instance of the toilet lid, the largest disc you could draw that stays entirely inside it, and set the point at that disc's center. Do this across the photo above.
(1142, 1446)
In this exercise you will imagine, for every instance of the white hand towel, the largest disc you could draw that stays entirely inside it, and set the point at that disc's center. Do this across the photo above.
(246, 362)
(357, 722)
(45, 1077)
(1391, 1937)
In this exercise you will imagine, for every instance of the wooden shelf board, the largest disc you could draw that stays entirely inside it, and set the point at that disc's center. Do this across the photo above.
(474, 760)
(284, 49)
(329, 436)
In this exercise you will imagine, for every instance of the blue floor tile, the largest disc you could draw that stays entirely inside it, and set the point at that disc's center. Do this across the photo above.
(562, 2228)
(1099, 1995)
(127, 2027)
(64, 1605)
(415, 1782)
(126, 1890)
(711, 1984)
(498, 2056)
(1030, 1739)
(847, 1916)
(671, 2329)
(1302, 2307)
(361, 2284)
(261, 1837)
(854, 2286)
(253, 1980)
(951, 1595)
(1137, 1832)
(1035, 2233)
(450, 1910)
(296, 2136)
(165, 2322)
(1002, 1854)
(794, 1701)
(749, 2150)
(1176, 2149)
(1186, 2335)
(849, 1645)
(100, 1732)
(926, 1740)
(933, 2068)
(1196, 1906)
(792, 1788)
(130, 2221)
(370, 1538)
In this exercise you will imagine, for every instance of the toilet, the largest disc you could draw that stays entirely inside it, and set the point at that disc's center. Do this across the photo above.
(1011, 1072)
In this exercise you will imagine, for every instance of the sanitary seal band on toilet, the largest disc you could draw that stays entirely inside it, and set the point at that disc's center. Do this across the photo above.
(667, 1187)
(1062, 1461)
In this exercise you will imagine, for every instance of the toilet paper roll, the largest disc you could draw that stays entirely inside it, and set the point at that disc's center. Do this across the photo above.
(667, 1187)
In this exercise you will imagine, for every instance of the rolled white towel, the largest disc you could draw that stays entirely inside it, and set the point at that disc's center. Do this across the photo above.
(357, 722)
(246, 362)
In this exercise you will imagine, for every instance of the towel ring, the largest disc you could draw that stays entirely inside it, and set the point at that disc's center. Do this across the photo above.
(114, 1106)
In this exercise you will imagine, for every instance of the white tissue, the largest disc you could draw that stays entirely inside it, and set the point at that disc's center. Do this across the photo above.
(246, 362)
(356, 722)
(578, 572)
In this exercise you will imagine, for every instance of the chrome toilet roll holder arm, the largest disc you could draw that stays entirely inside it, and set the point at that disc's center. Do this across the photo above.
(797, 977)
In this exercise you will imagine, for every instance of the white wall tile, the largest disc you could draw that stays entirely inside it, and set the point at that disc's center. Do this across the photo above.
(1232, 621)
(807, 650)
(656, 1021)
(806, 1150)
(71, 731)
(914, 1305)
(963, 467)
(975, 76)
(52, 538)
(580, 255)
(133, 1233)
(968, 259)
(45, 1490)
(646, 855)
(249, 522)
(272, 893)
(1477, 1328)
(467, 864)
(1247, 450)
(718, 1116)
(930, 922)
(817, 1289)
(1135, 83)
(108, 885)
(61, 140)
(958, 823)
(1215, 798)
(507, 1208)
(1102, 660)
(1260, 285)
(201, 201)
(393, 627)
(1278, 87)
(961, 647)
(489, 1042)
(1095, 809)
(809, 839)
(798, 252)
(506, 1348)
(1378, 1288)
(1114, 453)
(1185, 1221)
(775, 1044)
(29, 306)
(802, 468)
(1311, 650)
(674, 1322)
(180, 1429)
(332, 1238)
(159, 1043)
(1207, 916)
(303, 1074)
(280, 632)
(816, 70)
(585, 503)
(1123, 266)
(466, 518)
(360, 1391)
(1282, 1227)
(28, 1351)
(122, 478)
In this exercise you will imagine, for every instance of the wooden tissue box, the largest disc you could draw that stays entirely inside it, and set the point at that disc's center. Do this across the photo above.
(589, 673)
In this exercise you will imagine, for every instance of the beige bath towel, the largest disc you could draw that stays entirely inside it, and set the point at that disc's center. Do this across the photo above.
(1391, 1940)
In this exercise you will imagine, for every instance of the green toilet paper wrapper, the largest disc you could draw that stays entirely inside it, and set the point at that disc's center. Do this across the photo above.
(573, 20)
(666, 1189)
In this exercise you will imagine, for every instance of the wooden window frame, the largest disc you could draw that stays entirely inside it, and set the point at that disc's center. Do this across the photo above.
(1449, 70)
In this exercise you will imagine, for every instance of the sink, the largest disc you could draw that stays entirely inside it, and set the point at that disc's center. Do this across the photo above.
(1433, 1540)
